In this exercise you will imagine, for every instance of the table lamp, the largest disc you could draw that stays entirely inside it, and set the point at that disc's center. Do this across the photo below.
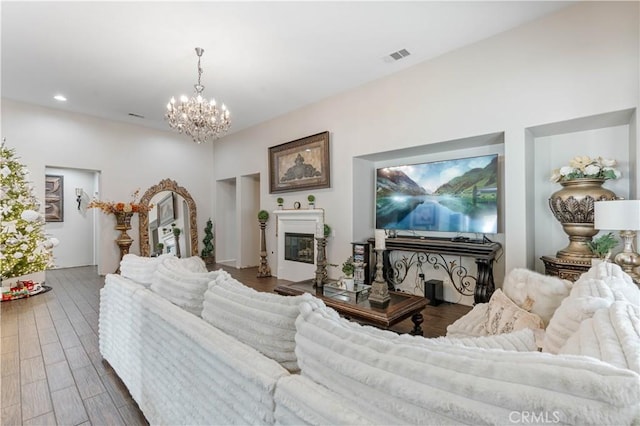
(623, 216)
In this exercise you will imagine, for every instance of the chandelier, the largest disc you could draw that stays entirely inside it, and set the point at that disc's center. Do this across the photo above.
(197, 117)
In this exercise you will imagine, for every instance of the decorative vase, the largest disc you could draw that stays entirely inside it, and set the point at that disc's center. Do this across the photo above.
(124, 241)
(572, 206)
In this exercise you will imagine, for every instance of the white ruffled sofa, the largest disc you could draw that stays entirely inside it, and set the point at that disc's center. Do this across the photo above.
(197, 347)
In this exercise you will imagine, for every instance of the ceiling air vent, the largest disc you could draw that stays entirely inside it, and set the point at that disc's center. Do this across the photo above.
(132, 114)
(400, 54)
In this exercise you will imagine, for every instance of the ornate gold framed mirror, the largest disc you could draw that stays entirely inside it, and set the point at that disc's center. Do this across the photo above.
(168, 188)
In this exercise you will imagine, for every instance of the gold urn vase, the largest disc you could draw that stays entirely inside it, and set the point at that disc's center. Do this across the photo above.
(572, 206)
(124, 241)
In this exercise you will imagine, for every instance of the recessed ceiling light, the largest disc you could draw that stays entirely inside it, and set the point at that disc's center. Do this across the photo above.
(60, 98)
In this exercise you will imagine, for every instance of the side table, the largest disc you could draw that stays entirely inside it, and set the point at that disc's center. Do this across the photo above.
(565, 268)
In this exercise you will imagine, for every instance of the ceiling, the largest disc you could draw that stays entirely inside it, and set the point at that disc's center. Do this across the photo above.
(262, 59)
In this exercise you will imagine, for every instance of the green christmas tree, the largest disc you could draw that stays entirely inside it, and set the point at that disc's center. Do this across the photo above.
(207, 251)
(24, 248)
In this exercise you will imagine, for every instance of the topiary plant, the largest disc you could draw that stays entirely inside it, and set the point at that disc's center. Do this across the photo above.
(311, 198)
(327, 230)
(280, 200)
(263, 215)
(208, 249)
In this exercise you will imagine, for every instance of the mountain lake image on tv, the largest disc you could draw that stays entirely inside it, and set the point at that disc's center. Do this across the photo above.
(459, 195)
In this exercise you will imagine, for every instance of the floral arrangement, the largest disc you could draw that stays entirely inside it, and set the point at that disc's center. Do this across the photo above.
(111, 207)
(587, 167)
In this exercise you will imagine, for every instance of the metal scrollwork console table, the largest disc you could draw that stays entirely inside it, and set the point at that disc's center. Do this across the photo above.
(432, 251)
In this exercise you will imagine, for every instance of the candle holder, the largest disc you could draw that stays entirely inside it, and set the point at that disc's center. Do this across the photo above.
(379, 294)
(321, 263)
(264, 270)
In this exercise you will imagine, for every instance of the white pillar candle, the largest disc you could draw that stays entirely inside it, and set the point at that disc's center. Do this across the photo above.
(319, 229)
(380, 241)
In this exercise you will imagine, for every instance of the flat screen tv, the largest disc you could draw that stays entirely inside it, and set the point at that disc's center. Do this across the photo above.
(458, 195)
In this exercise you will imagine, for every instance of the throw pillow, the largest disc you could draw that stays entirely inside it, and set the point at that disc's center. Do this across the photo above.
(176, 281)
(504, 316)
(534, 292)
(141, 269)
(470, 324)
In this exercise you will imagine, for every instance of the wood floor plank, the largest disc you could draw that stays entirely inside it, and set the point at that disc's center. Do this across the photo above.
(10, 363)
(11, 415)
(69, 340)
(10, 327)
(102, 367)
(117, 390)
(68, 406)
(32, 370)
(90, 342)
(88, 381)
(52, 353)
(59, 376)
(132, 416)
(48, 419)
(77, 357)
(9, 344)
(102, 411)
(48, 335)
(11, 389)
(36, 399)
(29, 347)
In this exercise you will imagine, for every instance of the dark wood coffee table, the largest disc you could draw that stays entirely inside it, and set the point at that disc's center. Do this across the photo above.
(400, 307)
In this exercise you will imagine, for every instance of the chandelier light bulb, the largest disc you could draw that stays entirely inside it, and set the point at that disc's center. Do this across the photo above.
(202, 120)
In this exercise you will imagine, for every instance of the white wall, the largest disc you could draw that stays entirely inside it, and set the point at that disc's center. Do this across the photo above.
(128, 157)
(579, 62)
(226, 222)
(76, 232)
(249, 205)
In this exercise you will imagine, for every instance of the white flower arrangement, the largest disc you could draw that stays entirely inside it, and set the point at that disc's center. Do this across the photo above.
(584, 167)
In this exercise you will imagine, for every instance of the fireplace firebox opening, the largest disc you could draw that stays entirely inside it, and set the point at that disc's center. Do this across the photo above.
(299, 247)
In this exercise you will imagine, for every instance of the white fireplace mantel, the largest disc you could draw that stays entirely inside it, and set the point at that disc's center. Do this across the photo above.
(307, 221)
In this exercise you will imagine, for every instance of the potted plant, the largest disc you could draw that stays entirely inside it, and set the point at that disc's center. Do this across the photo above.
(348, 268)
(160, 248)
(327, 230)
(208, 254)
(602, 246)
(312, 201)
(280, 201)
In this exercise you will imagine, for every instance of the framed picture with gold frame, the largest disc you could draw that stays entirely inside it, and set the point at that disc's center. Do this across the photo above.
(300, 164)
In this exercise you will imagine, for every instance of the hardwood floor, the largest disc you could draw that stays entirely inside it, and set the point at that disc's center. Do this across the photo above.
(52, 371)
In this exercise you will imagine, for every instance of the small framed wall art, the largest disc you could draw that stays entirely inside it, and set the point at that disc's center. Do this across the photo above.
(300, 164)
(54, 198)
(166, 212)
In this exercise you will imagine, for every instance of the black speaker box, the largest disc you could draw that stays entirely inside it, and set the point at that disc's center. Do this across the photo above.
(433, 291)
